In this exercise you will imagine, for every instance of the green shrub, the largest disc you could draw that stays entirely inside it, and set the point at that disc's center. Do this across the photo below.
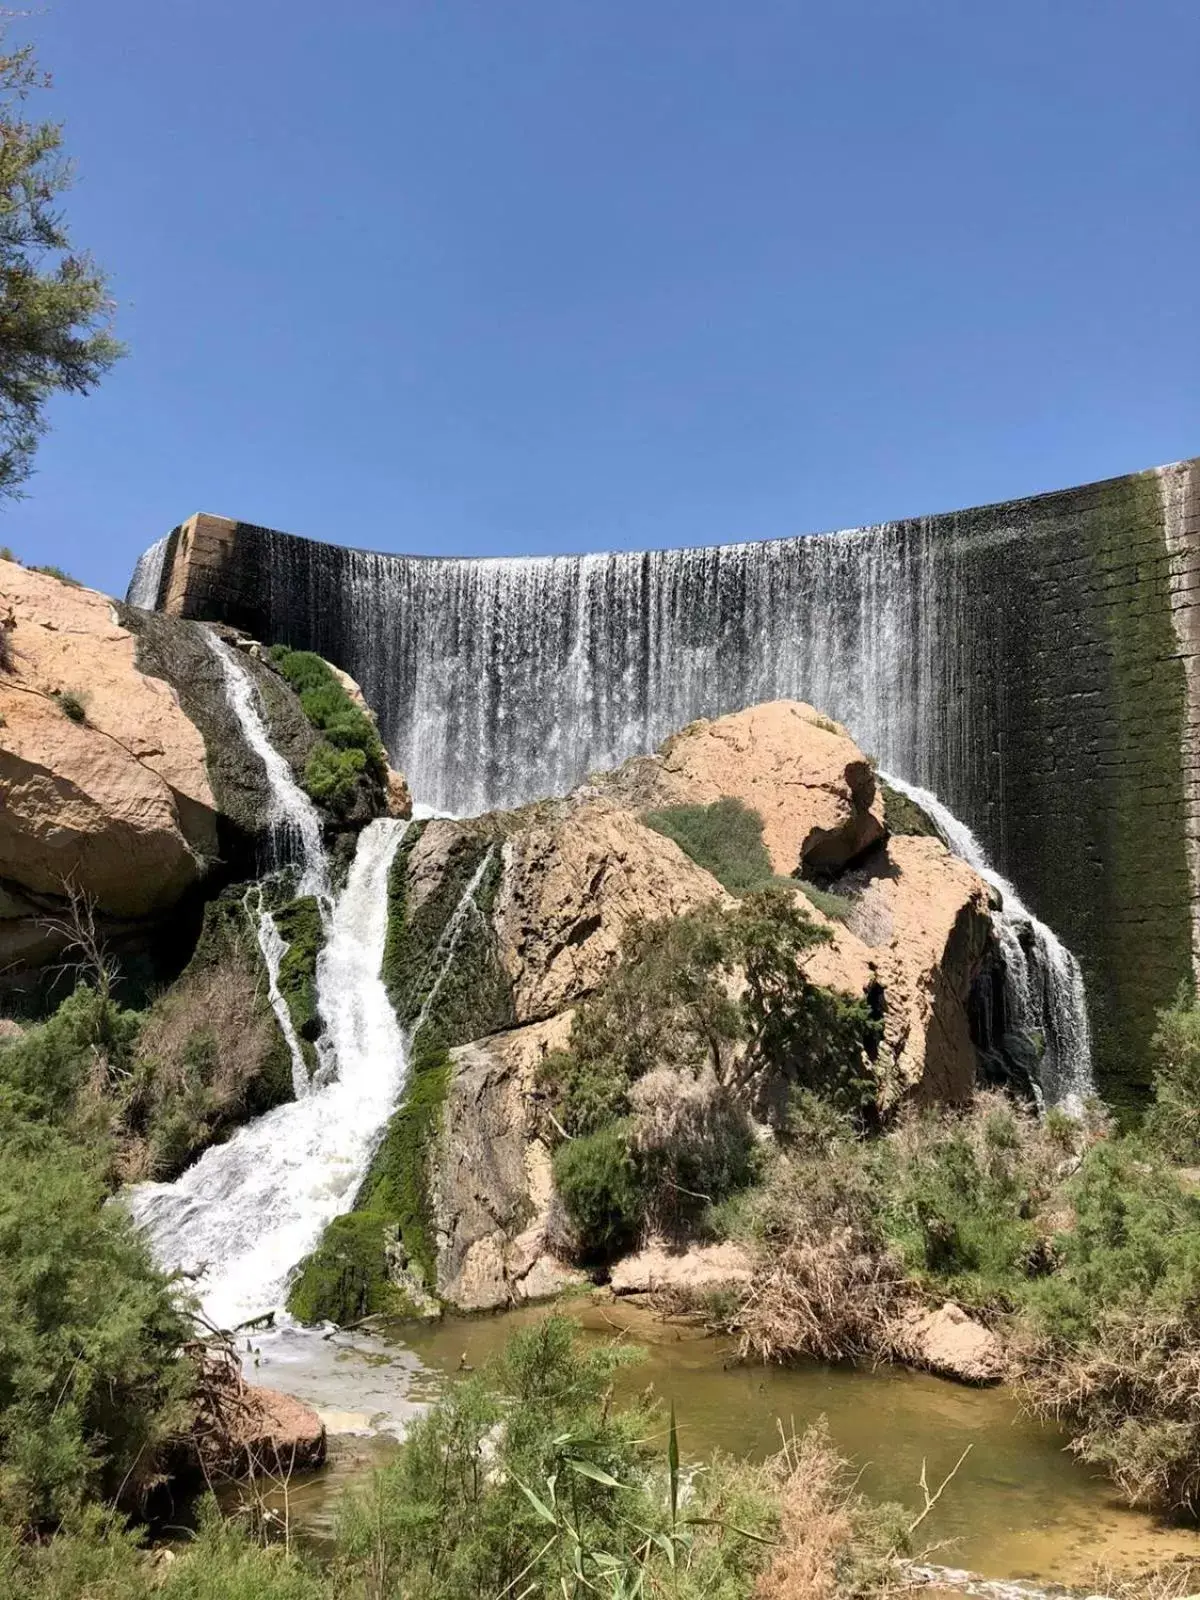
(597, 1179)
(1173, 1121)
(6, 554)
(331, 776)
(43, 1072)
(1114, 1334)
(725, 838)
(90, 1383)
(328, 705)
(960, 1207)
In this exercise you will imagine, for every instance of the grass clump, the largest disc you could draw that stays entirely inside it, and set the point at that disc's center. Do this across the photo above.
(72, 705)
(725, 838)
(51, 571)
(331, 776)
(355, 1270)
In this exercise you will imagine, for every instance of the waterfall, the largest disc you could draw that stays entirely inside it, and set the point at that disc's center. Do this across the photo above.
(274, 947)
(1044, 989)
(146, 582)
(249, 1210)
(295, 823)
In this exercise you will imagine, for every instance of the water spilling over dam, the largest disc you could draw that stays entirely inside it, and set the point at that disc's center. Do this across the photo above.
(1036, 664)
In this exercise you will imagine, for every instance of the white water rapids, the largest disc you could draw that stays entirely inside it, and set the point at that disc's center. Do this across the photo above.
(1044, 989)
(243, 1216)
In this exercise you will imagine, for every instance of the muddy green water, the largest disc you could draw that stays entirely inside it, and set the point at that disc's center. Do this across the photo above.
(1019, 1506)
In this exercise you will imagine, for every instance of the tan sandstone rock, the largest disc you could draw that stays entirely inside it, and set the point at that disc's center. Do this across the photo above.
(802, 773)
(949, 1342)
(492, 1187)
(399, 795)
(573, 884)
(119, 803)
(698, 1270)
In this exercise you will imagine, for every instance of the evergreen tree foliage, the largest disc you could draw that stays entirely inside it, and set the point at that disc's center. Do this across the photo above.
(55, 309)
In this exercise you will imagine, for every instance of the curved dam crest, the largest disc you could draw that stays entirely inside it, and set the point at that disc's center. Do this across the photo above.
(1035, 663)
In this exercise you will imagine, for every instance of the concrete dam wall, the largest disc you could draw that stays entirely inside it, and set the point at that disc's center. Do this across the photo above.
(1036, 663)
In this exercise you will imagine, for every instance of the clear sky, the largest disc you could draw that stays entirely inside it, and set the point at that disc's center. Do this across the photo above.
(506, 276)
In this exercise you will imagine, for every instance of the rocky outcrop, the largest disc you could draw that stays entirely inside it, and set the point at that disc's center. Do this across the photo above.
(689, 1274)
(912, 930)
(948, 1342)
(103, 778)
(123, 771)
(491, 1175)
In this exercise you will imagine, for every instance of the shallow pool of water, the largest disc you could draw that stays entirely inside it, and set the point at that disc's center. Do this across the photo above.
(1019, 1506)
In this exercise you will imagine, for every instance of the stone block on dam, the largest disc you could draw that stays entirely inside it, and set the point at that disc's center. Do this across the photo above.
(1036, 663)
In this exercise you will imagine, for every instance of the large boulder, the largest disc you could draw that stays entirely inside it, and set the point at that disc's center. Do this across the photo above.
(103, 778)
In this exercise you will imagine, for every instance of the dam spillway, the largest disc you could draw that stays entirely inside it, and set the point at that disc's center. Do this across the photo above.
(1035, 663)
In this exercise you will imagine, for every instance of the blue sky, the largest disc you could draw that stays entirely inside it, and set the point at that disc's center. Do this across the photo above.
(505, 276)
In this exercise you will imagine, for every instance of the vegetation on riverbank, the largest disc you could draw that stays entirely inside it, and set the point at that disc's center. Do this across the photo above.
(527, 1479)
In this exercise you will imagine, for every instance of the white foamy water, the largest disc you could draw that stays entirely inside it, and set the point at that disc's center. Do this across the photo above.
(1044, 988)
(295, 822)
(274, 947)
(147, 577)
(248, 1211)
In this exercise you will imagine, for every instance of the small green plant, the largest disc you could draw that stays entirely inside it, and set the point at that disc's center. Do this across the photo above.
(6, 554)
(331, 776)
(72, 705)
(57, 572)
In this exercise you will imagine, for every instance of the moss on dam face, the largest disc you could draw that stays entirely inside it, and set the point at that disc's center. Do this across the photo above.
(1028, 661)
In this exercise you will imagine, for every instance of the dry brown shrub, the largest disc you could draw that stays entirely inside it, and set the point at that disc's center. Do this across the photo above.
(833, 1298)
(225, 1001)
(833, 1543)
(825, 1284)
(1131, 1400)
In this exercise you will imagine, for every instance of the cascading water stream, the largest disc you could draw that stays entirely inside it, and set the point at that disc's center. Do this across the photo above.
(243, 1216)
(1044, 988)
(147, 576)
(294, 821)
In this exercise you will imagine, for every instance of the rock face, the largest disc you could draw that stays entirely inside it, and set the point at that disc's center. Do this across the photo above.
(492, 1188)
(577, 872)
(103, 778)
(123, 770)
(697, 1271)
